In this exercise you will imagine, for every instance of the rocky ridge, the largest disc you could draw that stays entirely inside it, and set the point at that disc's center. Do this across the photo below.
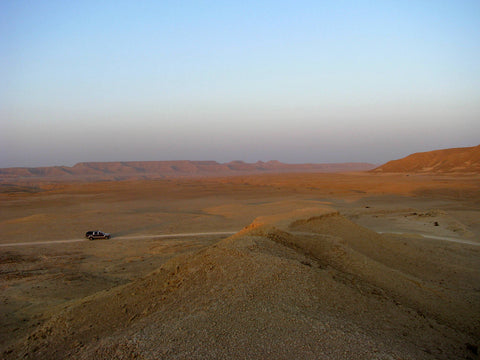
(307, 284)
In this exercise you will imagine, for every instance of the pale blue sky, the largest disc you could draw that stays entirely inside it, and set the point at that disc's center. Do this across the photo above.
(296, 81)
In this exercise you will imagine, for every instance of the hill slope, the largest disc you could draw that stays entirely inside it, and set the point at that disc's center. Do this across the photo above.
(463, 160)
(308, 284)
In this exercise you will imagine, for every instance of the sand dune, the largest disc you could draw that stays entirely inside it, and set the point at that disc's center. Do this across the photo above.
(304, 284)
(458, 160)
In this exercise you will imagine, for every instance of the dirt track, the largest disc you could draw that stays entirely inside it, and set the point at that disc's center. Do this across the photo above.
(148, 236)
(163, 236)
(458, 241)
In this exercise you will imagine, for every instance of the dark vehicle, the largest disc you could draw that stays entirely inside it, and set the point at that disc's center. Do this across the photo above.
(90, 235)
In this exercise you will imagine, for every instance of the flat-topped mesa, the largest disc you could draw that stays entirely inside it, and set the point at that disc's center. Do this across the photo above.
(178, 168)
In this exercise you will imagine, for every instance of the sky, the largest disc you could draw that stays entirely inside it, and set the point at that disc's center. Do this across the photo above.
(294, 81)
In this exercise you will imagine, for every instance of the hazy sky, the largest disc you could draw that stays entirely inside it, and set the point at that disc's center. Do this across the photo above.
(295, 81)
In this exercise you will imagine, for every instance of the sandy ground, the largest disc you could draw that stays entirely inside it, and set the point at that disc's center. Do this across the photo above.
(287, 286)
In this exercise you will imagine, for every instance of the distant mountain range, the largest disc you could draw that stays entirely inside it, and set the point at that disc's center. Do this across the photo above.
(457, 160)
(169, 169)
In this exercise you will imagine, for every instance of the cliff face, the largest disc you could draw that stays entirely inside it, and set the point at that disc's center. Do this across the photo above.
(459, 160)
(165, 169)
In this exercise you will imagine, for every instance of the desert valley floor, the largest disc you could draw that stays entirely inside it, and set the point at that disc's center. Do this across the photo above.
(310, 266)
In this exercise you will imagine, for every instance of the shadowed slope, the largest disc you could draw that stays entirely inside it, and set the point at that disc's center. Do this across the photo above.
(308, 284)
(338, 243)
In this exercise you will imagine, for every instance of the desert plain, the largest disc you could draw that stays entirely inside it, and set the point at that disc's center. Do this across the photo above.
(358, 265)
